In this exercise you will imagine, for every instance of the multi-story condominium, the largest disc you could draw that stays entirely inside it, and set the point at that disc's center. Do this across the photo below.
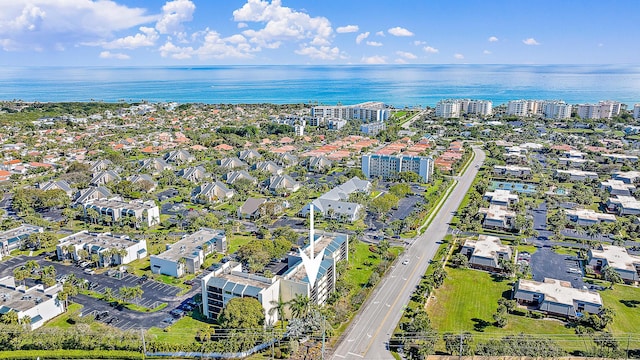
(550, 109)
(389, 166)
(367, 112)
(636, 111)
(556, 109)
(453, 108)
(10, 239)
(486, 253)
(40, 304)
(524, 107)
(372, 128)
(145, 212)
(187, 255)
(229, 282)
(601, 110)
(101, 244)
(616, 257)
(335, 204)
(556, 297)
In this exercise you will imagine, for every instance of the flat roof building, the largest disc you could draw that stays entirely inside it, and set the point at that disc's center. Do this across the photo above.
(486, 252)
(187, 255)
(11, 239)
(390, 166)
(588, 217)
(40, 304)
(111, 249)
(617, 257)
(371, 111)
(144, 212)
(557, 297)
(624, 205)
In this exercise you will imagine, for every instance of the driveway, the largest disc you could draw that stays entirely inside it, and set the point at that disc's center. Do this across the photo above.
(545, 263)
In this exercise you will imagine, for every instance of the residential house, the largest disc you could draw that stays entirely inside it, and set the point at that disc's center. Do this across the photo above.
(232, 163)
(319, 164)
(12, 238)
(282, 183)
(616, 257)
(56, 185)
(155, 166)
(211, 192)
(624, 205)
(268, 166)
(101, 165)
(144, 180)
(180, 156)
(576, 175)
(251, 208)
(617, 187)
(187, 255)
(619, 158)
(556, 297)
(103, 245)
(287, 160)
(250, 155)
(194, 174)
(486, 253)
(5, 175)
(104, 177)
(627, 177)
(234, 176)
(37, 303)
(501, 197)
(335, 204)
(92, 193)
(588, 217)
(498, 217)
(512, 170)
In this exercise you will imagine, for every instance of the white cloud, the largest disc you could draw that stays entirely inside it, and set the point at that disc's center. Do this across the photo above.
(431, 50)
(347, 29)
(210, 45)
(282, 24)
(51, 24)
(493, 39)
(400, 61)
(486, 52)
(399, 31)
(530, 41)
(110, 55)
(320, 53)
(361, 37)
(146, 37)
(374, 43)
(174, 13)
(419, 43)
(380, 33)
(458, 56)
(242, 25)
(406, 55)
(376, 59)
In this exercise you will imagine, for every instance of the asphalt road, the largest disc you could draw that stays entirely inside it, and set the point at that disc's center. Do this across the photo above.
(370, 331)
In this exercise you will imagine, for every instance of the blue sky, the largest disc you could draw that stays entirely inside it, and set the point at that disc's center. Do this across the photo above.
(201, 32)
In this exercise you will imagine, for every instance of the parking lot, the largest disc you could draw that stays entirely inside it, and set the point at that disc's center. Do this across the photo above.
(545, 263)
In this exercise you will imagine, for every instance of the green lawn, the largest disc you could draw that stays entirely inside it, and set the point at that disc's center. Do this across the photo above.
(358, 273)
(627, 317)
(235, 241)
(61, 321)
(183, 331)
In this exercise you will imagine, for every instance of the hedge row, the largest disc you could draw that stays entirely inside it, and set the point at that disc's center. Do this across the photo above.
(71, 354)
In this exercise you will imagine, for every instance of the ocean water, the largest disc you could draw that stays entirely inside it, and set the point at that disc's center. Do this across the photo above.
(398, 85)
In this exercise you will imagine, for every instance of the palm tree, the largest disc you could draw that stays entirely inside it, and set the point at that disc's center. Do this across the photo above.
(610, 274)
(300, 306)
(108, 294)
(278, 309)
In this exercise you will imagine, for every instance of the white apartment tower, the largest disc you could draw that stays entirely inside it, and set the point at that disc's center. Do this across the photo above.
(550, 109)
(636, 111)
(601, 110)
(453, 108)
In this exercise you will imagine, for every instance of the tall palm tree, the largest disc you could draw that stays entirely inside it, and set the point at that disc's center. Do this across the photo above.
(300, 306)
(277, 309)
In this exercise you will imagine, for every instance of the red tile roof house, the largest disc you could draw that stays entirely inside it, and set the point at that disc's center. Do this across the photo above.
(4, 175)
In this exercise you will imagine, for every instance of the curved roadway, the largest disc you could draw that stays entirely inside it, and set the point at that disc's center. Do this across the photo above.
(367, 336)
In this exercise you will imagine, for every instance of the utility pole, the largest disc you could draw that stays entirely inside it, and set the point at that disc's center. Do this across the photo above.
(144, 345)
(323, 333)
(460, 353)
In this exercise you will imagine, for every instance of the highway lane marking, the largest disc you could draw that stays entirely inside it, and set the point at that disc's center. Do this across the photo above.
(358, 355)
